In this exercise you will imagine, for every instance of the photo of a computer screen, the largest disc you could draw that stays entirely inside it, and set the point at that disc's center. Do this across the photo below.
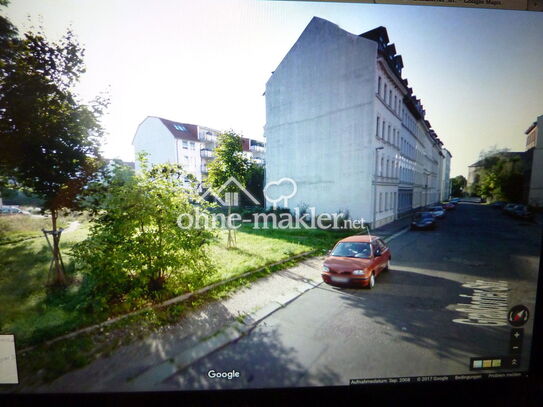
(247, 195)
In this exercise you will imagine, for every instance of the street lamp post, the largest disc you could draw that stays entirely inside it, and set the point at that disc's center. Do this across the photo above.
(375, 187)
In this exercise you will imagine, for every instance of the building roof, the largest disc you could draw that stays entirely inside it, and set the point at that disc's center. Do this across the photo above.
(187, 131)
(184, 131)
(378, 33)
(386, 50)
(246, 143)
(532, 126)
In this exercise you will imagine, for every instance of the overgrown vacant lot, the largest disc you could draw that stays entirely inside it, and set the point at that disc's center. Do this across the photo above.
(34, 313)
(15, 228)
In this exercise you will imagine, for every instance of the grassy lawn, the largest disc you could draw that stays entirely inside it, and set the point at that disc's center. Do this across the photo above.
(259, 247)
(29, 309)
(17, 228)
(34, 313)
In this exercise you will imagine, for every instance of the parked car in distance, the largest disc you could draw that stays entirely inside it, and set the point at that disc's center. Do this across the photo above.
(423, 220)
(11, 210)
(523, 212)
(437, 211)
(498, 204)
(448, 206)
(508, 208)
(356, 260)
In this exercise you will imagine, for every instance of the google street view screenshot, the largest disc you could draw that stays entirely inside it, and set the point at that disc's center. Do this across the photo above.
(263, 194)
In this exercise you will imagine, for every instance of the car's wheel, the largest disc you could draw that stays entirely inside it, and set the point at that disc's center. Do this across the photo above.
(372, 281)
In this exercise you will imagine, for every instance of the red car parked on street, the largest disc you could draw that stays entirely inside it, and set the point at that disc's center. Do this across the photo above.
(356, 260)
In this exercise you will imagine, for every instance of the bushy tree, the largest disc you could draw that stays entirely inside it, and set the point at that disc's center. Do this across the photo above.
(458, 185)
(501, 177)
(229, 162)
(49, 139)
(136, 251)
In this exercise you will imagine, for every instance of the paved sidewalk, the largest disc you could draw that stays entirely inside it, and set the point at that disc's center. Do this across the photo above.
(143, 365)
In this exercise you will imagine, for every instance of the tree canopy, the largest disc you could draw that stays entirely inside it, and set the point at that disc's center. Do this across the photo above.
(501, 177)
(50, 140)
(458, 185)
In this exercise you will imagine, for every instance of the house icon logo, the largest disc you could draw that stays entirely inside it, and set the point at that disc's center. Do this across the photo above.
(230, 198)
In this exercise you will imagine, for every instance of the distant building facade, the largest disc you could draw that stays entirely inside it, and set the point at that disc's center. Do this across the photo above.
(532, 163)
(343, 123)
(446, 175)
(192, 146)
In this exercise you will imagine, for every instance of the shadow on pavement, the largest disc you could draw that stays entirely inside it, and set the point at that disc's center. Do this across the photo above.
(416, 307)
(263, 362)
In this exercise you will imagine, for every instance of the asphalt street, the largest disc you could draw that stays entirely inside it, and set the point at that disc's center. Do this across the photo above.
(405, 326)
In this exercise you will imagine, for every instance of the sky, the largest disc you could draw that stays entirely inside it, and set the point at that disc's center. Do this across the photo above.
(477, 71)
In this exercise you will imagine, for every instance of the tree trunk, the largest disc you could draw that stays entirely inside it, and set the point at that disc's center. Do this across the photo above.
(60, 278)
(231, 242)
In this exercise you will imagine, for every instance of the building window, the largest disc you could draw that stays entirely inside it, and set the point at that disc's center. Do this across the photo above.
(389, 97)
(383, 130)
(381, 167)
(180, 127)
(379, 86)
(387, 168)
(380, 202)
(388, 135)
(192, 145)
(390, 201)
(385, 93)
(185, 145)
(377, 131)
(395, 103)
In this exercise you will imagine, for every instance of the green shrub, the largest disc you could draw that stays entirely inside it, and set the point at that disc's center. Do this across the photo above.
(136, 250)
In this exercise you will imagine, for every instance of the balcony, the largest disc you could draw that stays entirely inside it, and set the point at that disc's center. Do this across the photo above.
(257, 149)
(205, 153)
(203, 168)
(207, 136)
